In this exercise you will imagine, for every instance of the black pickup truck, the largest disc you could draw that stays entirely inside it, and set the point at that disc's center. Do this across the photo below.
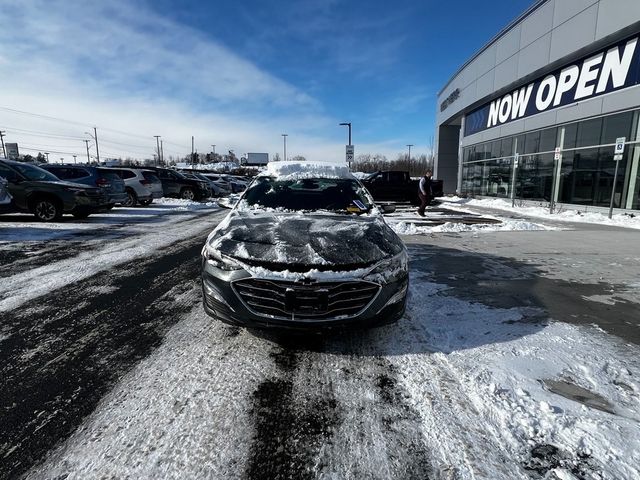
(397, 186)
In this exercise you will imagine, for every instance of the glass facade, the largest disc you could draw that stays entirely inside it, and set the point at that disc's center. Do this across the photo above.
(584, 176)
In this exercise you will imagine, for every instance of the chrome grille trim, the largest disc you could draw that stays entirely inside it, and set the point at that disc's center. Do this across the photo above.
(287, 300)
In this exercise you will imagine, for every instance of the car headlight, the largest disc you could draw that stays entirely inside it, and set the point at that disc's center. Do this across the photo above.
(216, 259)
(390, 268)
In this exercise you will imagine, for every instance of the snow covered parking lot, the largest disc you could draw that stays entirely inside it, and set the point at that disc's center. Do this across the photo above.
(517, 358)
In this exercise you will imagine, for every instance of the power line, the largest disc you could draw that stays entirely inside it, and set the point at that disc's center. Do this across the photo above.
(72, 122)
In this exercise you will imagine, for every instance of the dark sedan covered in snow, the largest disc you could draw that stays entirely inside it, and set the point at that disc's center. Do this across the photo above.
(304, 247)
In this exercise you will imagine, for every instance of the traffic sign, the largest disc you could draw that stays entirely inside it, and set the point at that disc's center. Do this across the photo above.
(349, 151)
(557, 155)
(620, 145)
(617, 157)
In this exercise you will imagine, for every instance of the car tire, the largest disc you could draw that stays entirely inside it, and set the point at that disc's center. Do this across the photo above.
(131, 200)
(47, 209)
(146, 203)
(187, 194)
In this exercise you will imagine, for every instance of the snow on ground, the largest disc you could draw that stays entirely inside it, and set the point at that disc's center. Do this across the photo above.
(496, 394)
(16, 227)
(405, 221)
(404, 227)
(486, 395)
(147, 230)
(563, 214)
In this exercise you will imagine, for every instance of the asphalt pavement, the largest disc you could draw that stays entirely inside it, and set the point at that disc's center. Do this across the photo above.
(122, 375)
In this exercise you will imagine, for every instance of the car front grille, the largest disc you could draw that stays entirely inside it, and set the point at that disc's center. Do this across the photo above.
(297, 301)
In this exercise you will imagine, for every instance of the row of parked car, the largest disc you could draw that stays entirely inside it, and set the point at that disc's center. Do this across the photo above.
(50, 190)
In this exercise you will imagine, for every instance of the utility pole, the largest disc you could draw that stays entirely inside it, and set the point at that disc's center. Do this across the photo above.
(4, 152)
(410, 145)
(284, 138)
(158, 146)
(192, 157)
(95, 131)
(162, 151)
(88, 157)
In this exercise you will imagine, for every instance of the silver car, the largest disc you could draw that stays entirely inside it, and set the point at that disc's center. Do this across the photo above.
(142, 186)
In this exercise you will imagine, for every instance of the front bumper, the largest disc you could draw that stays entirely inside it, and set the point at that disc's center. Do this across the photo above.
(221, 301)
(93, 203)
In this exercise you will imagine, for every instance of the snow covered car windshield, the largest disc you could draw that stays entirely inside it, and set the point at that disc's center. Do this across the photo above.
(335, 194)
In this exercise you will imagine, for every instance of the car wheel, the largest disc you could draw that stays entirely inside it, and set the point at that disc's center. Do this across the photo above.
(47, 210)
(187, 194)
(146, 202)
(131, 199)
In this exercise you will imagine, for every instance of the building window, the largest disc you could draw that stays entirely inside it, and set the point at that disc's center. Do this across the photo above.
(586, 175)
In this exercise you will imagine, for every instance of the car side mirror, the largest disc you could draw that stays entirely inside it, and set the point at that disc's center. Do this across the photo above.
(387, 208)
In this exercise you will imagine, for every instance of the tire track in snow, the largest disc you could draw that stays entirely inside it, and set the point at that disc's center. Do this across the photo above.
(61, 355)
(334, 411)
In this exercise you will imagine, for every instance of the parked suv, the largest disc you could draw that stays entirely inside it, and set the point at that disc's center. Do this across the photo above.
(174, 184)
(141, 185)
(102, 178)
(40, 192)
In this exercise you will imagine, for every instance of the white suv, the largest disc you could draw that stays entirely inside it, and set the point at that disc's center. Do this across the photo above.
(141, 185)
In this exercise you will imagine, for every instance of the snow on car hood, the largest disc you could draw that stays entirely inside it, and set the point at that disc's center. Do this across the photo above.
(301, 241)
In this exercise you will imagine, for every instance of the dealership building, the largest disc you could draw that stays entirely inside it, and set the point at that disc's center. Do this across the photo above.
(541, 110)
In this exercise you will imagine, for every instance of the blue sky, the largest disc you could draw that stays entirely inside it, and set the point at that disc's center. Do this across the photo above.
(236, 73)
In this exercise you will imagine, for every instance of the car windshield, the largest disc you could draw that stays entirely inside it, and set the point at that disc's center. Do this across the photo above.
(341, 195)
(34, 173)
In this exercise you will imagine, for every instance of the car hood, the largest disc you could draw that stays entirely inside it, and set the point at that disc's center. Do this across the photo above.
(300, 242)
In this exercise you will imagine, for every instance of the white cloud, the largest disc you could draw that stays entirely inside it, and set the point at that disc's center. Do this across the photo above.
(118, 65)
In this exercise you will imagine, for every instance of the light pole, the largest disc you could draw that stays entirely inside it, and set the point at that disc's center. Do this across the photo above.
(2, 133)
(95, 139)
(47, 154)
(347, 124)
(410, 145)
(214, 151)
(284, 138)
(88, 157)
(349, 150)
(157, 137)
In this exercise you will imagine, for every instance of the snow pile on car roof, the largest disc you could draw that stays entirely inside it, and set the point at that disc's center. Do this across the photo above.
(295, 170)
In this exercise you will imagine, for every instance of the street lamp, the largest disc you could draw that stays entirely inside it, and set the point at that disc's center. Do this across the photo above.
(410, 145)
(347, 124)
(284, 138)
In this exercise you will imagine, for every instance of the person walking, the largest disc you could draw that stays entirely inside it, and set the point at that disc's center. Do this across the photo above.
(424, 192)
